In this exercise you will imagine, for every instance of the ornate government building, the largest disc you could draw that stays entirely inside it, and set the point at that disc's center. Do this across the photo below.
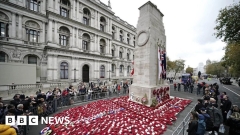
(67, 39)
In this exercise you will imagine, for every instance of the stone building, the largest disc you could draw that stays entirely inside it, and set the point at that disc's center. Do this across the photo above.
(67, 40)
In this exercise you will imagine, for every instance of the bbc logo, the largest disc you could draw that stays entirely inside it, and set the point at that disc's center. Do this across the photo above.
(21, 120)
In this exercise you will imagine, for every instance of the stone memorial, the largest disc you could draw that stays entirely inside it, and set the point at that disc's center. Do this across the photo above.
(147, 81)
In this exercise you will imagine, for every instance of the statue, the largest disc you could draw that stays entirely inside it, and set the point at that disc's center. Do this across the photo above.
(109, 3)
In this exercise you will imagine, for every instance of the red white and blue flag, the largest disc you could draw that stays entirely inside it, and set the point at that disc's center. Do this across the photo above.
(161, 63)
(164, 64)
(132, 69)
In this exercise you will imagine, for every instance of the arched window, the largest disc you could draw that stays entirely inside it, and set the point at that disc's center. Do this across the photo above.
(121, 68)
(102, 46)
(3, 57)
(121, 53)
(32, 31)
(113, 50)
(3, 26)
(32, 59)
(64, 35)
(102, 24)
(128, 69)
(102, 72)
(113, 68)
(64, 70)
(34, 5)
(128, 38)
(85, 41)
(86, 16)
(128, 55)
(113, 32)
(64, 8)
(121, 36)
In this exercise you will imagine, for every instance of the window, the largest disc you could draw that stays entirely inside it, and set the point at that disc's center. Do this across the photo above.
(101, 27)
(102, 23)
(113, 52)
(121, 38)
(32, 35)
(64, 34)
(85, 45)
(63, 40)
(113, 35)
(86, 16)
(128, 56)
(64, 8)
(101, 49)
(32, 59)
(128, 69)
(85, 21)
(34, 5)
(64, 70)
(113, 68)
(121, 68)
(102, 72)
(4, 30)
(2, 57)
(120, 54)
(86, 42)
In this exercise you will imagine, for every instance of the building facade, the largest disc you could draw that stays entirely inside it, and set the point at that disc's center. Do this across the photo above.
(68, 40)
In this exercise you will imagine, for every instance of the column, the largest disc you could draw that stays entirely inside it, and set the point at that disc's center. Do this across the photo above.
(107, 46)
(107, 25)
(109, 49)
(117, 51)
(77, 12)
(73, 10)
(125, 37)
(71, 40)
(110, 26)
(77, 39)
(96, 44)
(56, 36)
(57, 6)
(117, 33)
(117, 70)
(56, 67)
(50, 5)
(42, 34)
(19, 26)
(96, 19)
(43, 8)
(49, 30)
(73, 37)
(109, 70)
(13, 25)
(49, 68)
(72, 69)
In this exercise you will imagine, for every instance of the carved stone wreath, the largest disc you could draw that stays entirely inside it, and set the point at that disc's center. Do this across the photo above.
(142, 38)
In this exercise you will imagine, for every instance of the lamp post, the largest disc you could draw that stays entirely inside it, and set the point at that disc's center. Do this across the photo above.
(74, 74)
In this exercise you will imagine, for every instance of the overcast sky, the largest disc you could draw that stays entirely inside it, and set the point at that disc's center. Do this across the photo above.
(189, 26)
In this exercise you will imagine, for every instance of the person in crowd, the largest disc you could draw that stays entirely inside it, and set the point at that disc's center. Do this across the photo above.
(225, 107)
(207, 119)
(125, 87)
(199, 87)
(234, 108)
(191, 88)
(213, 102)
(16, 100)
(216, 117)
(185, 87)
(233, 122)
(179, 87)
(0, 99)
(118, 88)
(7, 130)
(193, 124)
(175, 86)
(199, 106)
(201, 125)
(221, 96)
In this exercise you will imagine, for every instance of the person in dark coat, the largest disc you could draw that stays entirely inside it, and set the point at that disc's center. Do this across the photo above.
(234, 123)
(199, 106)
(225, 106)
(193, 124)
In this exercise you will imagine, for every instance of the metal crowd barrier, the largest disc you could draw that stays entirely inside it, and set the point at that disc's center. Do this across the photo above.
(61, 101)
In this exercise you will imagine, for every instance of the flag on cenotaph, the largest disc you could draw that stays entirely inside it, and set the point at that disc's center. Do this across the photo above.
(159, 63)
(164, 63)
(132, 69)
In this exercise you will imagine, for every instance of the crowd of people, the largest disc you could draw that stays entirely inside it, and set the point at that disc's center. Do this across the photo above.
(40, 104)
(210, 114)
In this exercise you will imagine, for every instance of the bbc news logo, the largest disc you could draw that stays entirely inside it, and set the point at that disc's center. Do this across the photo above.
(34, 120)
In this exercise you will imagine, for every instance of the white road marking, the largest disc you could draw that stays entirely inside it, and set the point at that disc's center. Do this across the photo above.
(231, 91)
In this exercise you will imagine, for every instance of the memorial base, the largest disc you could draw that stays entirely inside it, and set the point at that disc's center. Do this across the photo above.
(137, 93)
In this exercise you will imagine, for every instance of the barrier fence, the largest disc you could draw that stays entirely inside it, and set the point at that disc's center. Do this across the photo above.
(49, 107)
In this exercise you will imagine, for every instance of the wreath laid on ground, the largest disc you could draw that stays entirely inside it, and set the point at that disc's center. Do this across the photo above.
(144, 99)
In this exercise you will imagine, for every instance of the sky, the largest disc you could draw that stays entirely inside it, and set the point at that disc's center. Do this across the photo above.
(189, 26)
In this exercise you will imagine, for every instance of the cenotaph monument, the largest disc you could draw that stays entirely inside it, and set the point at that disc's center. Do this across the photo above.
(147, 79)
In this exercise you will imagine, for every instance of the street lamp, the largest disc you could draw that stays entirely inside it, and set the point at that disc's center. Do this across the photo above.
(109, 74)
(74, 74)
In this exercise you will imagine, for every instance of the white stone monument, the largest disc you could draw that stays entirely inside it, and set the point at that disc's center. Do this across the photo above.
(150, 36)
